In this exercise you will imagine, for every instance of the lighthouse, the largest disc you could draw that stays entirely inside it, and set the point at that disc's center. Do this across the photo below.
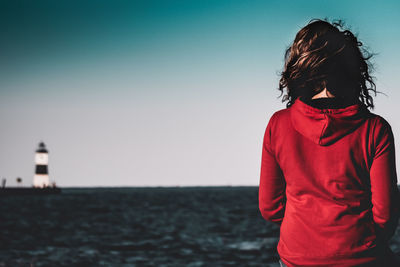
(41, 178)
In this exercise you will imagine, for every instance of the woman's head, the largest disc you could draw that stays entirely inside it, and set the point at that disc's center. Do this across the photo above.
(324, 56)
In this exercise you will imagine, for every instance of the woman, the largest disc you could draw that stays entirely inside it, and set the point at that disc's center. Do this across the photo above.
(328, 175)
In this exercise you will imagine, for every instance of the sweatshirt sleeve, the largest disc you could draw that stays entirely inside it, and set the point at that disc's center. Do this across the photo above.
(383, 177)
(272, 183)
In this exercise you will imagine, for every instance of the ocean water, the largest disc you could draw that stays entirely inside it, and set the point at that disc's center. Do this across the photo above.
(188, 226)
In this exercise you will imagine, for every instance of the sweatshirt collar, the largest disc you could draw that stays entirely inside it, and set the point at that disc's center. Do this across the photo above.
(328, 102)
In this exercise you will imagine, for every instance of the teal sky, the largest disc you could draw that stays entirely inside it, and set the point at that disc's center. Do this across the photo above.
(161, 92)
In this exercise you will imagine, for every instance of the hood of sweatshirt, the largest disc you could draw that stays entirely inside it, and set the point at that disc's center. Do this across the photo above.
(327, 125)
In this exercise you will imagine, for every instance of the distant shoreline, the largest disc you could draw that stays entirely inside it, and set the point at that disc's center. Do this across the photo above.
(182, 186)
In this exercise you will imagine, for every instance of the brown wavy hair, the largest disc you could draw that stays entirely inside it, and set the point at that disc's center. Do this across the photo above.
(325, 55)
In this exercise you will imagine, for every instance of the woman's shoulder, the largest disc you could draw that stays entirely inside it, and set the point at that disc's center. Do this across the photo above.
(277, 117)
(381, 130)
(378, 121)
(280, 114)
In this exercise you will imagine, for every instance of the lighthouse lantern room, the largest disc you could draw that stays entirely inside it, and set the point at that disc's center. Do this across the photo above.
(41, 178)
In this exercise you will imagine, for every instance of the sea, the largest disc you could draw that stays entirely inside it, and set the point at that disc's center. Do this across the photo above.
(158, 226)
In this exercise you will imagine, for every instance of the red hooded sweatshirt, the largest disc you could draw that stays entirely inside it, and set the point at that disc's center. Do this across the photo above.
(328, 177)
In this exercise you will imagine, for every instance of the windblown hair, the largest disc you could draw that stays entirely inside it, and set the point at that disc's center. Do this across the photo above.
(323, 55)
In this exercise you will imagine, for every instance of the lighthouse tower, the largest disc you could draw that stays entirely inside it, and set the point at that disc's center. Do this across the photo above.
(41, 178)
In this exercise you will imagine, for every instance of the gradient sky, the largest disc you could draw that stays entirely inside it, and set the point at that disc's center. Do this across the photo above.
(149, 93)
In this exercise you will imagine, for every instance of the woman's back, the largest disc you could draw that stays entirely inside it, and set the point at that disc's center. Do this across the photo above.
(328, 173)
(327, 163)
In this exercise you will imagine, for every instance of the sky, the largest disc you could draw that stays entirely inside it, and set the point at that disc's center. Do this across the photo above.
(161, 93)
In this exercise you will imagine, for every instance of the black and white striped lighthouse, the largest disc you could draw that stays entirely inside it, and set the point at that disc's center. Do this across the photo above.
(41, 178)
